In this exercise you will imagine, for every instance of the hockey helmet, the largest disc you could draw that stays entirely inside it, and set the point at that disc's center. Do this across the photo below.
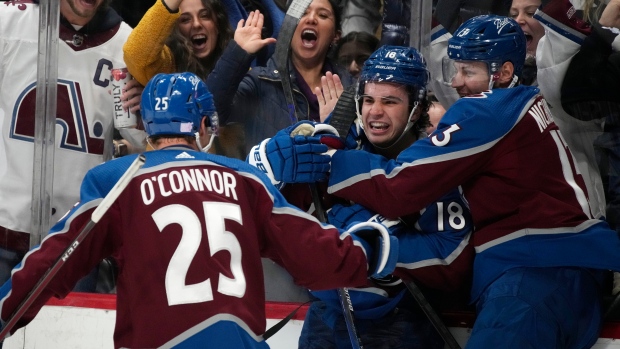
(174, 104)
(488, 38)
(399, 65)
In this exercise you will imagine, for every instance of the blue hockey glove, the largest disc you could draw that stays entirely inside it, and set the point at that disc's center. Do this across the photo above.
(342, 216)
(324, 133)
(380, 248)
(296, 153)
(289, 159)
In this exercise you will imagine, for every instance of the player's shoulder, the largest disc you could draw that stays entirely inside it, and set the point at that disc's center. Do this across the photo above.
(110, 166)
(177, 156)
(493, 113)
(490, 103)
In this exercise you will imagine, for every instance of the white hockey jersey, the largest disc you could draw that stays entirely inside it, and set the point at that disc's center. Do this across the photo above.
(84, 112)
(562, 40)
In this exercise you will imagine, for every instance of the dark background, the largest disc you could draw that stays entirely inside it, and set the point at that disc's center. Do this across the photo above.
(132, 10)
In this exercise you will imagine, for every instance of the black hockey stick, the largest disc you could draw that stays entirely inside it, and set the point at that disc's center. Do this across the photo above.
(101, 209)
(281, 55)
(444, 332)
(344, 112)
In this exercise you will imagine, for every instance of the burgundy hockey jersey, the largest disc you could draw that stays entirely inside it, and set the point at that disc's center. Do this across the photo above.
(188, 233)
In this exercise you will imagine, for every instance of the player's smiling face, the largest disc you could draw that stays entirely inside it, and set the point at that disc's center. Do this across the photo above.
(385, 110)
(471, 77)
(197, 24)
(315, 32)
(79, 12)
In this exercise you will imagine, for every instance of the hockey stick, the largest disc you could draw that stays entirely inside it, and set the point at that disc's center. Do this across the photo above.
(281, 55)
(101, 209)
(344, 112)
(445, 334)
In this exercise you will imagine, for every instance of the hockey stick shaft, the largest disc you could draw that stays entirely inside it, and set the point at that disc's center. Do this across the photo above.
(343, 293)
(281, 55)
(432, 315)
(101, 209)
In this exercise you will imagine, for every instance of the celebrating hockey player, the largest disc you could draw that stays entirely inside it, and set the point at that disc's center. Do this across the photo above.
(188, 232)
(540, 254)
(392, 113)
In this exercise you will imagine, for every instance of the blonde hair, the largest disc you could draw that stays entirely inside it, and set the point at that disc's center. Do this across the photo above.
(592, 10)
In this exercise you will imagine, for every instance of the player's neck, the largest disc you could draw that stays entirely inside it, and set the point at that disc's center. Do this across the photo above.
(172, 142)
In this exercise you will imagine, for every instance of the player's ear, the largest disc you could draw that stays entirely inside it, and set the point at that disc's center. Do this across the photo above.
(204, 126)
(505, 74)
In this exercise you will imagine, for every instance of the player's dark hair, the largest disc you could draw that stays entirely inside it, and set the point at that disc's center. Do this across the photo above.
(181, 47)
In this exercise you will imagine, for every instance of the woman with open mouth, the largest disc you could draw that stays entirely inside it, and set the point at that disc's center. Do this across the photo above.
(177, 36)
(180, 36)
(257, 98)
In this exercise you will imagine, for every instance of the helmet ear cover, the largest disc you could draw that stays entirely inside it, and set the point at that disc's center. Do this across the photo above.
(174, 104)
(492, 39)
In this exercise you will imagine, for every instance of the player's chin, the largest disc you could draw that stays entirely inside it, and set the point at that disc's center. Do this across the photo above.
(379, 141)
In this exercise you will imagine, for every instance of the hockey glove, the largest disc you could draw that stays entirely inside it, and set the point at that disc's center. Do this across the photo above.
(341, 216)
(324, 133)
(295, 154)
(380, 248)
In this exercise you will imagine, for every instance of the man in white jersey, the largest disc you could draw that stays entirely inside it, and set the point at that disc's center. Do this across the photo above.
(90, 45)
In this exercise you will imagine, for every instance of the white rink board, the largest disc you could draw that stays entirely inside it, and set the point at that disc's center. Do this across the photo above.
(62, 327)
(59, 327)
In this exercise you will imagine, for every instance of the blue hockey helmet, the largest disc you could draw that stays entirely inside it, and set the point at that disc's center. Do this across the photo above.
(396, 64)
(174, 104)
(401, 65)
(492, 39)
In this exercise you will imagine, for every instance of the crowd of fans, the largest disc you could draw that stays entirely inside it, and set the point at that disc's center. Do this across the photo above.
(336, 46)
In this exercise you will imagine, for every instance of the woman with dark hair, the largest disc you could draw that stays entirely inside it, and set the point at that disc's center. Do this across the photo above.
(354, 49)
(256, 98)
(184, 36)
(178, 35)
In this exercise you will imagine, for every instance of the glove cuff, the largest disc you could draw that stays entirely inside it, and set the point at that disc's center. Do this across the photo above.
(379, 248)
(258, 158)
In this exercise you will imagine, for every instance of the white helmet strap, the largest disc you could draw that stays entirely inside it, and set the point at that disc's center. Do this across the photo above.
(206, 148)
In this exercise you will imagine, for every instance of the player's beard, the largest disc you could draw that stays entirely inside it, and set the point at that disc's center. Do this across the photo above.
(82, 12)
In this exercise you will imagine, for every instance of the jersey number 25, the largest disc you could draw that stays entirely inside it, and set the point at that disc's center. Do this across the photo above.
(177, 291)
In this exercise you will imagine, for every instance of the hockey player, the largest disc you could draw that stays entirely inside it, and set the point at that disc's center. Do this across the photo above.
(90, 45)
(189, 231)
(540, 253)
(434, 251)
